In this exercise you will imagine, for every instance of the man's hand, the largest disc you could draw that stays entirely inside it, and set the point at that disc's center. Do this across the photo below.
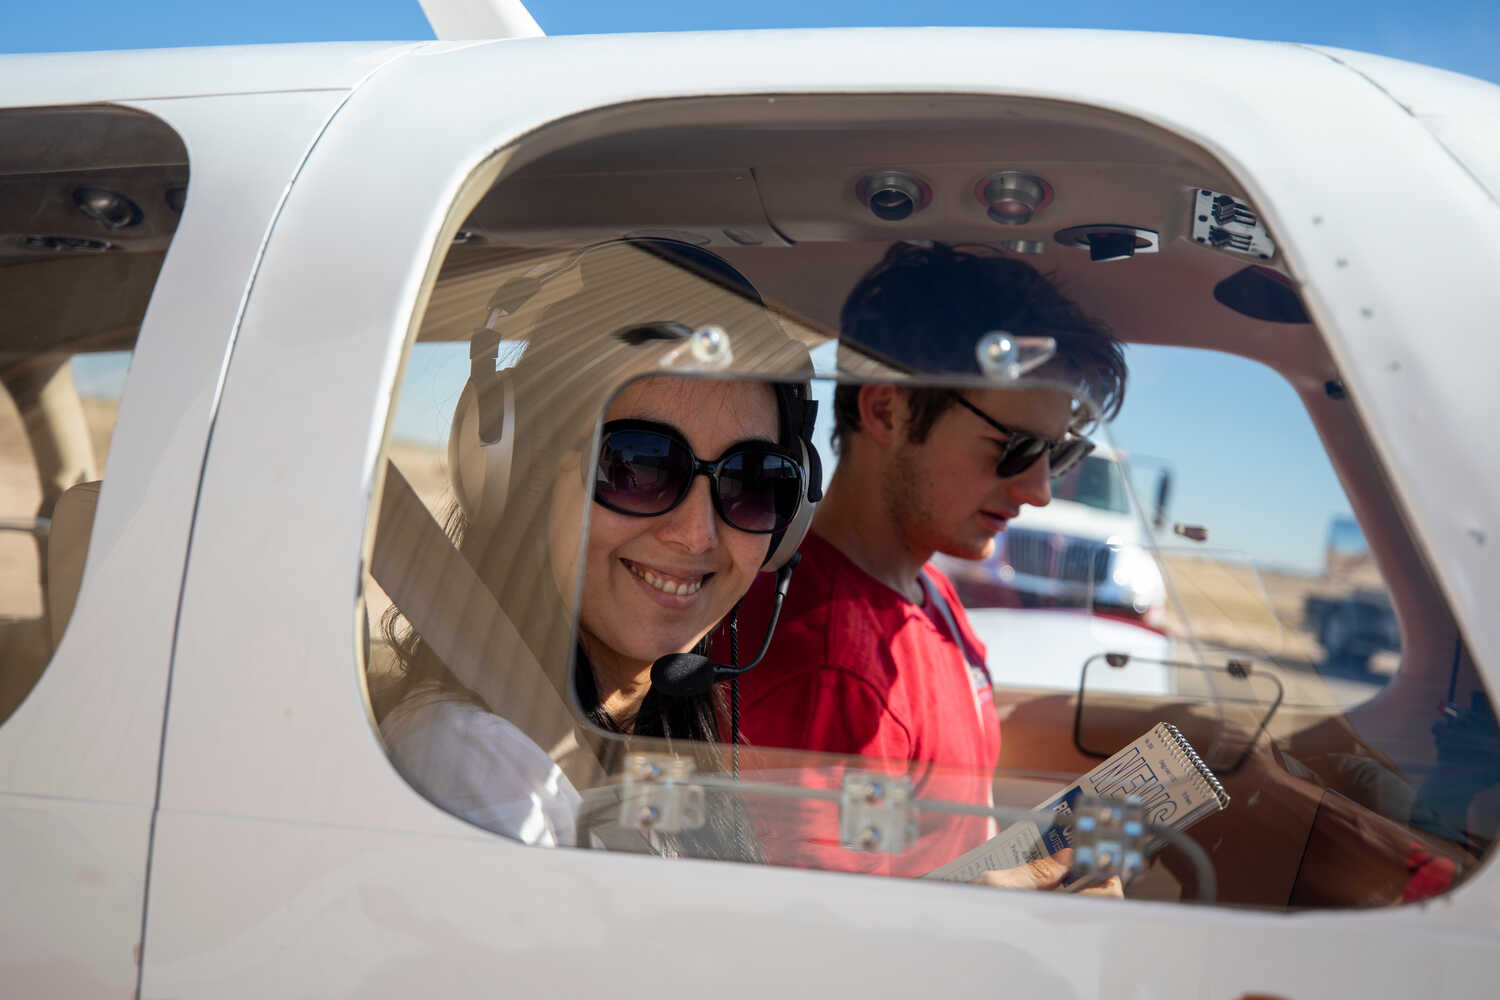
(1047, 873)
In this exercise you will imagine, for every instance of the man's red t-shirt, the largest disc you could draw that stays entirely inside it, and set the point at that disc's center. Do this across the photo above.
(855, 668)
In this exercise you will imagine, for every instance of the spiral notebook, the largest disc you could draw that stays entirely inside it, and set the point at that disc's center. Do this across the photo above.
(1160, 768)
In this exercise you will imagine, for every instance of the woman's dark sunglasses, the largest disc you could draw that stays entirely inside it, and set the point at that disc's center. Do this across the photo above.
(646, 469)
(1022, 448)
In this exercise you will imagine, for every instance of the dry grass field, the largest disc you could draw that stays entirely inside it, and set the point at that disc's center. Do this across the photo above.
(1240, 606)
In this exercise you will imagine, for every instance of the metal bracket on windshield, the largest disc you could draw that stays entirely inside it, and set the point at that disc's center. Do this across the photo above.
(707, 348)
(1005, 357)
(876, 813)
(1109, 837)
(657, 793)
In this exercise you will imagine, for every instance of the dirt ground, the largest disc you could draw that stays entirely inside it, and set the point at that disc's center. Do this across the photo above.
(1238, 605)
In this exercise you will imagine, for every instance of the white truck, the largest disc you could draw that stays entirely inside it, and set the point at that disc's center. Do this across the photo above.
(1071, 581)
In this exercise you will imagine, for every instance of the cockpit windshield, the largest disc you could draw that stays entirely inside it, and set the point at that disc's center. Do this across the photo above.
(831, 552)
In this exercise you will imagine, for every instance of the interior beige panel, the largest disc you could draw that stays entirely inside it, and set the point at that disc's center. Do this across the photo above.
(45, 312)
(69, 281)
(716, 204)
(1161, 298)
(804, 236)
(101, 136)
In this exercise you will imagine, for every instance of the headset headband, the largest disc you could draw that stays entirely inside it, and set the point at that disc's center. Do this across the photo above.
(482, 442)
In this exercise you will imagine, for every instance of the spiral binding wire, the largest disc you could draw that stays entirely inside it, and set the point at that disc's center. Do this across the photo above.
(1191, 757)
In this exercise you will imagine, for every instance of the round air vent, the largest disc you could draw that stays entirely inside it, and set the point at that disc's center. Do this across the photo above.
(1012, 198)
(110, 209)
(893, 195)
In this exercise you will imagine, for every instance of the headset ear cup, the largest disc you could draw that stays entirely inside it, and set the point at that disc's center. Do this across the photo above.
(814, 461)
(786, 544)
(480, 472)
(465, 454)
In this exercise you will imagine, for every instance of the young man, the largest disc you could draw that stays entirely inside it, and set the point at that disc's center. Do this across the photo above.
(874, 655)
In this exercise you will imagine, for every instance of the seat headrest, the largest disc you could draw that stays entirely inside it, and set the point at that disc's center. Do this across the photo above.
(67, 547)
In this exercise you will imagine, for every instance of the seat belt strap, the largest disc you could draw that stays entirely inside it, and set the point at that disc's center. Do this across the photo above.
(457, 616)
(935, 594)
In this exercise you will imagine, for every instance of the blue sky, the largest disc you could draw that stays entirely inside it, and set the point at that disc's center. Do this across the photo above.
(1217, 465)
(1455, 34)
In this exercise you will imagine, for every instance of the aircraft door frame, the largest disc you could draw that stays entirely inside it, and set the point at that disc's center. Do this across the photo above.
(79, 758)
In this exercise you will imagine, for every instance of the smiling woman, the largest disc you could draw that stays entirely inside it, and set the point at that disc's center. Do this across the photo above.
(662, 566)
(659, 577)
(695, 484)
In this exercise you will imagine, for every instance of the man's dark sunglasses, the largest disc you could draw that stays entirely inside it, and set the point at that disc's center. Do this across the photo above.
(1022, 448)
(646, 469)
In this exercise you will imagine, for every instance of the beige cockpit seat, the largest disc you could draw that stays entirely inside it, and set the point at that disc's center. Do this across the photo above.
(67, 547)
(438, 592)
(26, 646)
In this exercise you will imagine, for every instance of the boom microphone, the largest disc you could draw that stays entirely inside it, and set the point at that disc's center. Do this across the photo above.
(683, 675)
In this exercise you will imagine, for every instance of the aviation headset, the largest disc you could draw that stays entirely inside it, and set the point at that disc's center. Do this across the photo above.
(482, 440)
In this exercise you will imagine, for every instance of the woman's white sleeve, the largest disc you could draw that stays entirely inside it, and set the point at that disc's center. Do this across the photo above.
(483, 769)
